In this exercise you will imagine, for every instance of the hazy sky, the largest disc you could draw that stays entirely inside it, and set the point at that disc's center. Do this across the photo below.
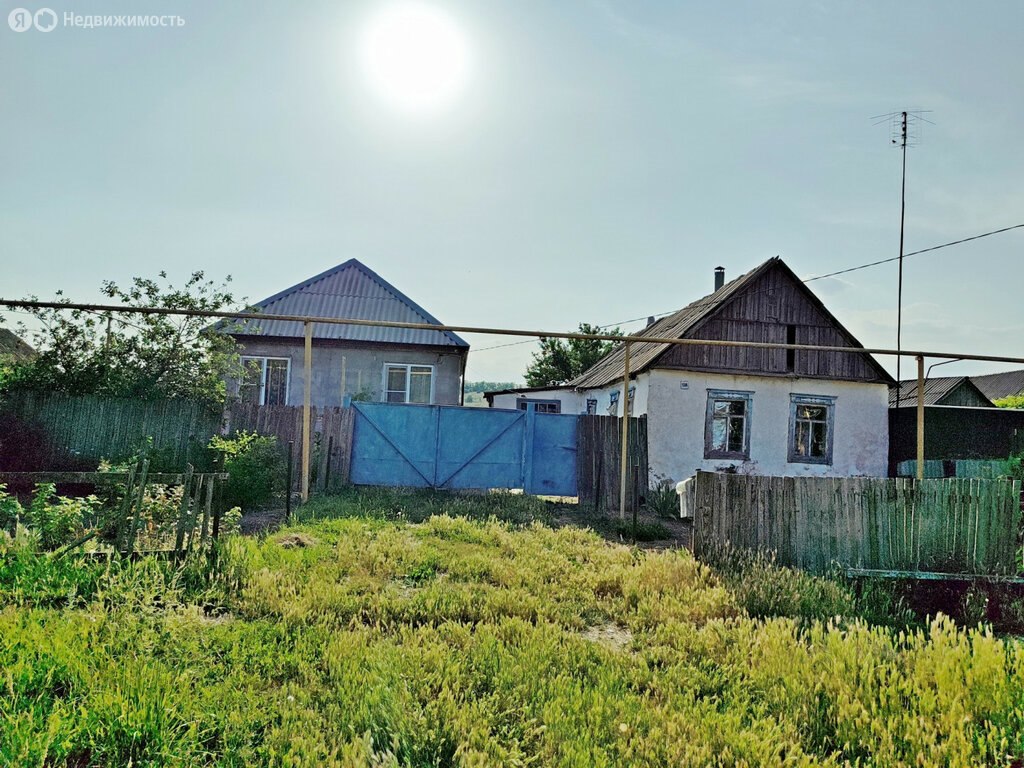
(602, 158)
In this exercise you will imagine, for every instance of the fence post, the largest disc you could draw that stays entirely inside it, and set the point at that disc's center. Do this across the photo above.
(307, 390)
(288, 482)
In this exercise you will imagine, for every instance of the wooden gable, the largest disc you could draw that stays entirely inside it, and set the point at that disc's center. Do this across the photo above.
(775, 307)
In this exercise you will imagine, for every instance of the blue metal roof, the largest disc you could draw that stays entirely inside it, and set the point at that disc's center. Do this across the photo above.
(349, 290)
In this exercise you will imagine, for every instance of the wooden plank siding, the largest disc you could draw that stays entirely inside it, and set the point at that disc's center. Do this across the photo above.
(332, 437)
(598, 462)
(959, 526)
(762, 312)
(82, 429)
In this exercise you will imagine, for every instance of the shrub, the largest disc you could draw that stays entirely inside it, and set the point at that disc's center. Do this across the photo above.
(642, 531)
(256, 468)
(58, 520)
(662, 500)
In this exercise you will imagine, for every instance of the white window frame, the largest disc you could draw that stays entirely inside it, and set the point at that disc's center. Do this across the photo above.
(408, 381)
(263, 360)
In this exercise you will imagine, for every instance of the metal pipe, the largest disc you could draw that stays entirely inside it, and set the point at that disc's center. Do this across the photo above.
(504, 331)
(623, 468)
(307, 390)
(920, 417)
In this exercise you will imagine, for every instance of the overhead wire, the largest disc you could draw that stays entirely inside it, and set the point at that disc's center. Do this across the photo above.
(700, 304)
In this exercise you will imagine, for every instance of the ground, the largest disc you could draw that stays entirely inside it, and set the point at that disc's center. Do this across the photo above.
(391, 629)
(655, 531)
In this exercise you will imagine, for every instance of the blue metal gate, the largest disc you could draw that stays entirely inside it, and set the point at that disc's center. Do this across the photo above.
(439, 446)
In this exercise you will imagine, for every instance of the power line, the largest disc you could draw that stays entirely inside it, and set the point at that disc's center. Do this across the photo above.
(914, 253)
(697, 305)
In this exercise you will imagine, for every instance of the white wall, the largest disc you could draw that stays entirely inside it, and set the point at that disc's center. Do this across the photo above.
(677, 407)
(572, 401)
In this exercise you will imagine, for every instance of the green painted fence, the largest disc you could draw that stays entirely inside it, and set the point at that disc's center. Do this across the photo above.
(86, 428)
(954, 526)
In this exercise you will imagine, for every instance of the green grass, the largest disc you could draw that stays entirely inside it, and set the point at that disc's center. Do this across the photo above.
(379, 631)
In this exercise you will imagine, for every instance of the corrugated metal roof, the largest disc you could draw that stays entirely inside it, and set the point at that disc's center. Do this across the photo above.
(996, 386)
(349, 290)
(934, 390)
(642, 354)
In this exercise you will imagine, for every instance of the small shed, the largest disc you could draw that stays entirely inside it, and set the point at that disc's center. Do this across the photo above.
(945, 390)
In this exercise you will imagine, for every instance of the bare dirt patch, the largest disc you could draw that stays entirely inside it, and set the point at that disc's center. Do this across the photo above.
(610, 635)
(297, 541)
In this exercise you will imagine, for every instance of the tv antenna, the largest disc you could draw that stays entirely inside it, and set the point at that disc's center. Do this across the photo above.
(905, 131)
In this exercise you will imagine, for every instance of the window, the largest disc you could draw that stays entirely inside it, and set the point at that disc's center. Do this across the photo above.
(408, 383)
(629, 400)
(727, 425)
(613, 404)
(540, 406)
(591, 406)
(810, 429)
(264, 380)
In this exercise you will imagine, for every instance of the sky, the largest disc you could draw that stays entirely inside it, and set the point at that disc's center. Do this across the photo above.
(597, 160)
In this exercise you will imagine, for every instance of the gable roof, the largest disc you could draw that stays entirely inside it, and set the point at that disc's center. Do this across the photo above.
(996, 386)
(687, 321)
(935, 390)
(349, 290)
(13, 348)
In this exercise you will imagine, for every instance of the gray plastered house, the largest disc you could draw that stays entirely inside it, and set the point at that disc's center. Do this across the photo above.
(364, 362)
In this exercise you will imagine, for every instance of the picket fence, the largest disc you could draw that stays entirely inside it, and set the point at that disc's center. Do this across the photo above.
(953, 526)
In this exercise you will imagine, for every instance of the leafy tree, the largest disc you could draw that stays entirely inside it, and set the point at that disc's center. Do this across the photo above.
(487, 386)
(559, 360)
(1013, 401)
(133, 354)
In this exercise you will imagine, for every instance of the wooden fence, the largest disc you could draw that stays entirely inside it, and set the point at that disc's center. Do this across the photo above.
(82, 429)
(598, 461)
(955, 526)
(197, 522)
(331, 459)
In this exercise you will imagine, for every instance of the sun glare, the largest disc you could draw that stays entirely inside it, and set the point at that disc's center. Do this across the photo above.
(415, 58)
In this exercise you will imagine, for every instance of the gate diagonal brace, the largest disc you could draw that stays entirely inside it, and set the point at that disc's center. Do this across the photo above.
(391, 442)
(482, 448)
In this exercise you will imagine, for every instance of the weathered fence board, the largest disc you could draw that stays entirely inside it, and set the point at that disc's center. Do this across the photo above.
(92, 427)
(599, 456)
(331, 461)
(951, 526)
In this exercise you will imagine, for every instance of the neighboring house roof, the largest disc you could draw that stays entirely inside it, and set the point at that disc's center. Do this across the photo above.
(353, 291)
(13, 348)
(944, 390)
(687, 321)
(523, 391)
(996, 386)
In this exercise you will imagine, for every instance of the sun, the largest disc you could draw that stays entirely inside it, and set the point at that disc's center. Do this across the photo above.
(414, 57)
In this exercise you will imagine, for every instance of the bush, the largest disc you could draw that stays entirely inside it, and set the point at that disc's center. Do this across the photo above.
(662, 500)
(56, 520)
(256, 468)
(642, 531)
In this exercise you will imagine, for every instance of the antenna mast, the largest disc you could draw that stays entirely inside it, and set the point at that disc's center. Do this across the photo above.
(902, 137)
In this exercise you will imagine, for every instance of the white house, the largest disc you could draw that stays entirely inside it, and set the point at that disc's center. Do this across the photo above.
(759, 411)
